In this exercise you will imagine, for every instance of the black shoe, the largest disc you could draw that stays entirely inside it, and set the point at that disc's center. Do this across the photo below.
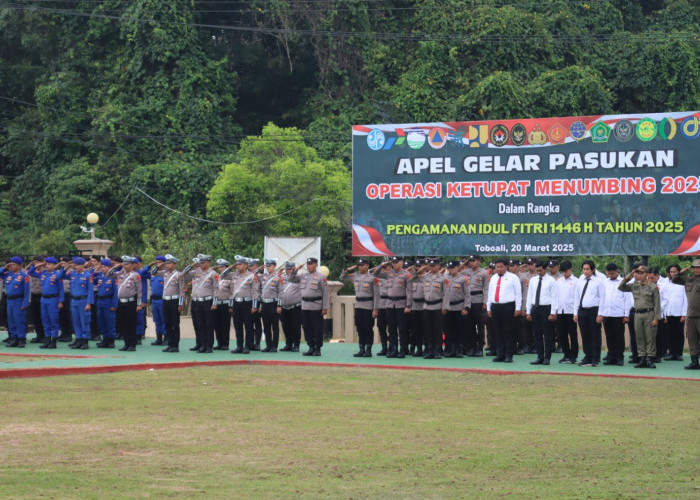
(21, 343)
(650, 362)
(267, 349)
(46, 343)
(609, 362)
(245, 351)
(498, 359)
(96, 336)
(295, 349)
(520, 352)
(545, 361)
(127, 348)
(195, 348)
(159, 341)
(694, 364)
(237, 350)
(222, 347)
(359, 353)
(273, 349)
(77, 344)
(310, 352)
(171, 349)
(286, 348)
(565, 361)
(52, 344)
(538, 361)
(642, 362)
(669, 357)
(317, 352)
(620, 361)
(368, 352)
(208, 350)
(477, 353)
(256, 347)
(508, 360)
(201, 350)
(605, 358)
(65, 338)
(428, 354)
(418, 353)
(383, 351)
(84, 345)
(585, 362)
(38, 340)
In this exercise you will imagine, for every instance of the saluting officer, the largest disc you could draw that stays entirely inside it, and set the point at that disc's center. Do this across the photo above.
(455, 307)
(416, 317)
(82, 297)
(204, 282)
(245, 294)
(647, 313)
(289, 309)
(129, 291)
(254, 267)
(381, 316)
(269, 299)
(315, 301)
(34, 311)
(478, 282)
(17, 289)
(692, 321)
(156, 279)
(433, 283)
(398, 304)
(52, 295)
(107, 303)
(173, 302)
(224, 307)
(366, 303)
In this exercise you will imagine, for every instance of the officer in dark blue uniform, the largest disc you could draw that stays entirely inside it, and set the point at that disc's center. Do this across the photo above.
(145, 275)
(17, 291)
(82, 296)
(157, 299)
(107, 302)
(52, 297)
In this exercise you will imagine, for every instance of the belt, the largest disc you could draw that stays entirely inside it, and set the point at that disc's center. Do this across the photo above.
(291, 307)
(127, 300)
(418, 301)
(433, 302)
(455, 302)
(242, 299)
(156, 297)
(268, 301)
(52, 296)
(311, 299)
(78, 297)
(364, 299)
(202, 299)
(171, 297)
(478, 292)
(396, 298)
(641, 311)
(544, 305)
(15, 297)
(511, 303)
(383, 296)
(105, 296)
(587, 308)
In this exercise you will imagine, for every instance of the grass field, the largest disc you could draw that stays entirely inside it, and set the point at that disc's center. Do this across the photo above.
(289, 432)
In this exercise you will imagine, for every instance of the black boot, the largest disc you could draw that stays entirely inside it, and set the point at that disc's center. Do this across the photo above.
(642, 362)
(360, 353)
(46, 343)
(458, 352)
(449, 351)
(650, 362)
(95, 336)
(383, 351)
(694, 364)
(428, 353)
(13, 343)
(310, 352)
(392, 352)
(419, 352)
(286, 348)
(76, 344)
(158, 341)
(368, 351)
(39, 339)
(85, 344)
(317, 351)
(52, 343)
(21, 343)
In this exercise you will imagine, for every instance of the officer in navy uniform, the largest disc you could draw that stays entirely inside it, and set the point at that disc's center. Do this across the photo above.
(289, 309)
(52, 296)
(269, 300)
(129, 291)
(366, 303)
(245, 293)
(82, 297)
(107, 302)
(156, 298)
(18, 291)
(173, 302)
(34, 312)
(224, 307)
(315, 301)
(64, 319)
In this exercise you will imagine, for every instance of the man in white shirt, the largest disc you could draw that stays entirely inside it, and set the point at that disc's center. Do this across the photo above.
(675, 311)
(542, 311)
(589, 291)
(566, 328)
(614, 314)
(503, 307)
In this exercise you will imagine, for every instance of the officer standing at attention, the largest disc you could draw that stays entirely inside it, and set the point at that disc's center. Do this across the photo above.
(542, 305)
(366, 303)
(692, 320)
(289, 309)
(455, 307)
(82, 297)
(588, 294)
(245, 294)
(224, 307)
(398, 304)
(433, 283)
(156, 280)
(478, 280)
(204, 282)
(647, 313)
(269, 300)
(129, 291)
(416, 316)
(254, 267)
(145, 275)
(107, 303)
(173, 302)
(315, 301)
(17, 289)
(34, 311)
(503, 307)
(52, 296)
(381, 316)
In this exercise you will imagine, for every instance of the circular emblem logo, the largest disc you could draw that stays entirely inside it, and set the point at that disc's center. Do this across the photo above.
(690, 128)
(376, 139)
(437, 138)
(499, 135)
(646, 129)
(415, 139)
(624, 130)
(577, 130)
(518, 134)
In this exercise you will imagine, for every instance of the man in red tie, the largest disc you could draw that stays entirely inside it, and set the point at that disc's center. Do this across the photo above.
(503, 306)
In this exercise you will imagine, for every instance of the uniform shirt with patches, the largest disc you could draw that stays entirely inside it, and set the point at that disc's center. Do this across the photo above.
(81, 285)
(269, 286)
(17, 285)
(399, 293)
(50, 281)
(457, 293)
(290, 292)
(129, 285)
(223, 292)
(417, 292)
(173, 285)
(692, 291)
(203, 283)
(245, 286)
(383, 292)
(646, 295)
(106, 290)
(478, 284)
(366, 289)
(433, 290)
(314, 291)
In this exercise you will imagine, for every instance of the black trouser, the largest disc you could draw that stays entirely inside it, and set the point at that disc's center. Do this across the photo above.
(661, 339)
(525, 334)
(590, 333)
(203, 322)
(674, 327)
(396, 322)
(568, 335)
(382, 326)
(615, 337)
(490, 333)
(417, 328)
(364, 322)
(454, 329)
(503, 320)
(243, 319)
(543, 331)
(64, 317)
(432, 329)
(633, 335)
(291, 324)
(475, 327)
(256, 319)
(222, 324)
(171, 318)
(271, 324)
(94, 325)
(312, 321)
(126, 312)
(35, 314)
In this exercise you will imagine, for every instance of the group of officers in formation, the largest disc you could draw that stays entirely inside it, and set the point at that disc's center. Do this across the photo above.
(107, 298)
(433, 309)
(422, 308)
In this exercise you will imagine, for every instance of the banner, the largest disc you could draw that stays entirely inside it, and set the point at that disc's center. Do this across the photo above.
(589, 185)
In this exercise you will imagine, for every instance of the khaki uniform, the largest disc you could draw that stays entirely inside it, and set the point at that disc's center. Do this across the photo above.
(269, 297)
(366, 301)
(434, 293)
(692, 320)
(204, 284)
(290, 302)
(647, 308)
(129, 291)
(173, 297)
(399, 297)
(315, 297)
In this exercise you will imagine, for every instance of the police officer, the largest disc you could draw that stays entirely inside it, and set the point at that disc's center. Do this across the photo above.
(647, 313)
(433, 283)
(315, 301)
(398, 304)
(254, 267)
(478, 279)
(204, 282)
(416, 316)
(18, 291)
(269, 283)
(34, 311)
(52, 295)
(129, 291)
(245, 292)
(381, 316)
(93, 265)
(692, 320)
(289, 309)
(366, 303)
(64, 316)
(107, 303)
(156, 279)
(82, 298)
(455, 308)
(145, 275)
(224, 308)
(173, 302)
